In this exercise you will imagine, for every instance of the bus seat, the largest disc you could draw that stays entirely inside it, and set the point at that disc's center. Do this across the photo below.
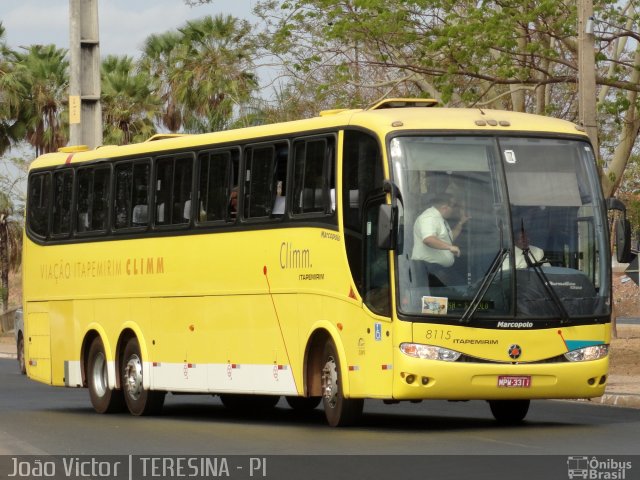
(160, 213)
(278, 206)
(186, 214)
(140, 215)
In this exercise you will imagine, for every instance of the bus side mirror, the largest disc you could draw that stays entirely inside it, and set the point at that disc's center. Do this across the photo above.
(623, 240)
(387, 227)
(622, 228)
(615, 204)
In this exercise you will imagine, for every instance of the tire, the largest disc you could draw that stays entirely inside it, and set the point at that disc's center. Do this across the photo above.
(509, 412)
(22, 365)
(139, 400)
(250, 403)
(103, 399)
(340, 411)
(303, 404)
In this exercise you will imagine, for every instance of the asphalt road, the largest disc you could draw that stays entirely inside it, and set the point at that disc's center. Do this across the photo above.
(38, 419)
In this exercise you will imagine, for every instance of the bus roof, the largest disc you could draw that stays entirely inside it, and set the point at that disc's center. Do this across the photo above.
(381, 118)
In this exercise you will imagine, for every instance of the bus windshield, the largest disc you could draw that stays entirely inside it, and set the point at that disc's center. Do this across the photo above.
(499, 227)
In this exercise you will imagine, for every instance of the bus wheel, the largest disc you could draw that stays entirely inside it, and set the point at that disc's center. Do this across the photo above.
(139, 400)
(303, 404)
(340, 411)
(509, 412)
(22, 365)
(103, 399)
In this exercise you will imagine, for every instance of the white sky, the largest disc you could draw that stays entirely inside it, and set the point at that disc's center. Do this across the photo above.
(123, 24)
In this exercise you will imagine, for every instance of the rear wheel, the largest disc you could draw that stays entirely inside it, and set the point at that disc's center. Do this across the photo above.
(340, 411)
(103, 398)
(509, 412)
(140, 401)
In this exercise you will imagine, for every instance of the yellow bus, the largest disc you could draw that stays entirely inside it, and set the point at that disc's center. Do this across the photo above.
(292, 260)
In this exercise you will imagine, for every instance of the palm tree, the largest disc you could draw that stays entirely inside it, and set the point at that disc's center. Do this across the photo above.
(218, 71)
(161, 53)
(205, 70)
(129, 103)
(42, 70)
(10, 244)
(11, 93)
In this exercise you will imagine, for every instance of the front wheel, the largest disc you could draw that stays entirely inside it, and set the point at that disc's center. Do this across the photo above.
(103, 399)
(140, 401)
(509, 412)
(340, 411)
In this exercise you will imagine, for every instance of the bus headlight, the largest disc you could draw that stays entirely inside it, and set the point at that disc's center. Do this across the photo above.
(429, 352)
(587, 353)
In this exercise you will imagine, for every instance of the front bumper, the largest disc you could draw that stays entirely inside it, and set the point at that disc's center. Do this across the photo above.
(416, 379)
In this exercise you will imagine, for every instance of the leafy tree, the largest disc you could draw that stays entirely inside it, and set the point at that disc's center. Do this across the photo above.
(129, 102)
(512, 54)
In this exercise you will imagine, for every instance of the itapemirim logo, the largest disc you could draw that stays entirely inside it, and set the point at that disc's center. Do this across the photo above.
(594, 468)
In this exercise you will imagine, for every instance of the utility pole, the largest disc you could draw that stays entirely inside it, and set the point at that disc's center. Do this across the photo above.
(587, 72)
(85, 112)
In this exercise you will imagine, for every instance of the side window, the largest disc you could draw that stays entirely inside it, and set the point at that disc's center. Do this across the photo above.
(92, 199)
(39, 200)
(131, 202)
(265, 180)
(174, 177)
(100, 199)
(85, 183)
(362, 175)
(62, 191)
(313, 189)
(217, 186)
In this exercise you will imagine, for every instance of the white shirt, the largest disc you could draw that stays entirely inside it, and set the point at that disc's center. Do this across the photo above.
(536, 252)
(432, 223)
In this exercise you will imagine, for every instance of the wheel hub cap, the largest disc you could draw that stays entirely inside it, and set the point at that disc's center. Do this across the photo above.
(99, 375)
(133, 377)
(330, 382)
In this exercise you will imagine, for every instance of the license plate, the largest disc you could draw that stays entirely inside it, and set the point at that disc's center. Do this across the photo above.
(510, 381)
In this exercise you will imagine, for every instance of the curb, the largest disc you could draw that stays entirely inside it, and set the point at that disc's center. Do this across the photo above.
(624, 400)
(619, 400)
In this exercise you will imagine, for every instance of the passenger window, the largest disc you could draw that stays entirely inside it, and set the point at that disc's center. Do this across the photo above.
(92, 203)
(313, 174)
(63, 188)
(131, 201)
(217, 186)
(265, 180)
(100, 199)
(174, 176)
(39, 200)
(82, 203)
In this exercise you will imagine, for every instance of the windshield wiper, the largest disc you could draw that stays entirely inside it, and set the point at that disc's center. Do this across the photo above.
(537, 267)
(495, 267)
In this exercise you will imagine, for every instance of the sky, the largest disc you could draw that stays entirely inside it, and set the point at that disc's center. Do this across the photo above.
(123, 24)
